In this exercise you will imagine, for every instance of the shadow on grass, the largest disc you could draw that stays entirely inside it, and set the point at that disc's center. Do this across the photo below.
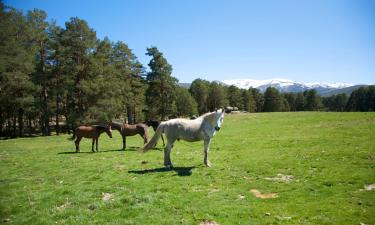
(180, 171)
(112, 150)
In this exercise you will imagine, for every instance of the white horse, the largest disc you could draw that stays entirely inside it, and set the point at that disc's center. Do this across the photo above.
(201, 128)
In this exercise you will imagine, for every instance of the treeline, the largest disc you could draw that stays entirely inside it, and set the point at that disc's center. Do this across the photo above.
(54, 78)
(212, 95)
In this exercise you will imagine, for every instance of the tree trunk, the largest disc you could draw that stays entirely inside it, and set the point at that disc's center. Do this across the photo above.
(14, 126)
(20, 122)
(57, 128)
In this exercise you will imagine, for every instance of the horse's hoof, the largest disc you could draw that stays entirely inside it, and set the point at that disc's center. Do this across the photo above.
(169, 167)
(208, 164)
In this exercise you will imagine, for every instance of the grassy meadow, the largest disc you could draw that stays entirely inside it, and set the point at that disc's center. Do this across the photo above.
(324, 161)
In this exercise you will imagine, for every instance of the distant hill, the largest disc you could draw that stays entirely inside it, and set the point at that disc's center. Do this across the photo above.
(284, 85)
(347, 90)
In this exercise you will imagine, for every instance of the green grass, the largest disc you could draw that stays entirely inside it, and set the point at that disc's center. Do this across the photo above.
(330, 155)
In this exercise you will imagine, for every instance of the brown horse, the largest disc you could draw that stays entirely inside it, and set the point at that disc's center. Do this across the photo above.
(131, 130)
(89, 131)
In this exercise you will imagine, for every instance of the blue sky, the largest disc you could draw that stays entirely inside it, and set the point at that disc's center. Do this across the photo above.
(301, 40)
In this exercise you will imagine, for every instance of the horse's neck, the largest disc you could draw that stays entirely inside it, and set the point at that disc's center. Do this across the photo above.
(100, 131)
(116, 126)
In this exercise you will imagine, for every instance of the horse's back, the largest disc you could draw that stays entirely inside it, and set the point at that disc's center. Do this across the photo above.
(189, 130)
(86, 131)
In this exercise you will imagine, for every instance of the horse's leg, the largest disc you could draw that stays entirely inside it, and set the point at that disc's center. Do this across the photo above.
(162, 139)
(93, 143)
(167, 155)
(144, 136)
(206, 149)
(97, 141)
(77, 143)
(124, 141)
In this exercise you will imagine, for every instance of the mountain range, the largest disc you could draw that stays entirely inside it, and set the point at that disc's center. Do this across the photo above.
(285, 85)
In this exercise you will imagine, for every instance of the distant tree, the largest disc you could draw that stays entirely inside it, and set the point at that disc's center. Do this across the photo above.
(234, 96)
(258, 98)
(161, 94)
(249, 103)
(273, 101)
(217, 97)
(371, 98)
(362, 99)
(300, 102)
(312, 100)
(339, 102)
(185, 103)
(291, 99)
(199, 89)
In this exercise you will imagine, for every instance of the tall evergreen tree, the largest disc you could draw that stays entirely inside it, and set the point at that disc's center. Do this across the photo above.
(161, 94)
(38, 26)
(78, 43)
(16, 65)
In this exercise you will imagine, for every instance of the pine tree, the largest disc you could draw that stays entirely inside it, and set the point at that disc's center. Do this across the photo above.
(16, 65)
(38, 27)
(161, 94)
(78, 41)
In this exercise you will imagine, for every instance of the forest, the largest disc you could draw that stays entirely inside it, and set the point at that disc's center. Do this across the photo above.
(54, 78)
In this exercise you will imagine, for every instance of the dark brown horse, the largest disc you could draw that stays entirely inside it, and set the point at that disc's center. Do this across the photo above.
(154, 124)
(131, 130)
(90, 131)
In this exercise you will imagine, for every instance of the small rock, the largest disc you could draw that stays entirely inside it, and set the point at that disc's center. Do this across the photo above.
(267, 214)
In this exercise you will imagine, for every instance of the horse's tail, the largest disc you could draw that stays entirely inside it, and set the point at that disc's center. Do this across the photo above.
(149, 145)
(74, 135)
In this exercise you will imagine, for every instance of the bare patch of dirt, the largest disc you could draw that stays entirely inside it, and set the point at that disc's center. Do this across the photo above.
(208, 222)
(63, 206)
(107, 196)
(281, 177)
(370, 187)
(119, 167)
(258, 194)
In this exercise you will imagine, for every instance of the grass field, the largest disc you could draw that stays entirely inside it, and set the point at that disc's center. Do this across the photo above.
(330, 156)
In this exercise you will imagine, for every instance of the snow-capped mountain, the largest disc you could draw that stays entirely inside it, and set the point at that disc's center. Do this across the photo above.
(285, 85)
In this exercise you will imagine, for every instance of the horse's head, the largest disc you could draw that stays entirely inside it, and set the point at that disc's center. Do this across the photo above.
(219, 118)
(109, 130)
